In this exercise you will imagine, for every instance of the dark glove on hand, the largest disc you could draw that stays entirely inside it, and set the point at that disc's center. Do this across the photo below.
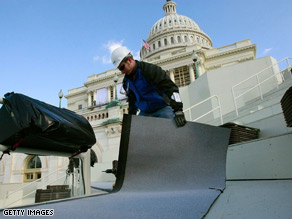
(179, 118)
(176, 106)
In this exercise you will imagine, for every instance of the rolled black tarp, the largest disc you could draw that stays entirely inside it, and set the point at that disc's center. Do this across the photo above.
(31, 126)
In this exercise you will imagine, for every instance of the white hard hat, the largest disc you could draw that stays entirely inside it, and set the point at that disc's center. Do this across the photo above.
(119, 54)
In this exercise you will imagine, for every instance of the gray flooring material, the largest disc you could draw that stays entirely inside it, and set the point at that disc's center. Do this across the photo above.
(162, 157)
(254, 199)
(164, 172)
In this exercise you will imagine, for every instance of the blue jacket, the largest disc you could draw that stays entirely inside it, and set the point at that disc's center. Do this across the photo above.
(147, 87)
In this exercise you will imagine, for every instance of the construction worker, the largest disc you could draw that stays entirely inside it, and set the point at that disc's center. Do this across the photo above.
(148, 88)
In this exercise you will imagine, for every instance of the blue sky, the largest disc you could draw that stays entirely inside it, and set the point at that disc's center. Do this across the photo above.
(48, 45)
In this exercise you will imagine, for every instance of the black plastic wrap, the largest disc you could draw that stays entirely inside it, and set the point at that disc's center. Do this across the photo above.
(42, 127)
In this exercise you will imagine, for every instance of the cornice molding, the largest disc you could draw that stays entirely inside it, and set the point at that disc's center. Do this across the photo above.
(104, 78)
(229, 52)
(76, 93)
(181, 56)
(220, 65)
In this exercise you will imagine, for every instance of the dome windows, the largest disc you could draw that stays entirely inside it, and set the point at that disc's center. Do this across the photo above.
(172, 40)
(165, 42)
(174, 30)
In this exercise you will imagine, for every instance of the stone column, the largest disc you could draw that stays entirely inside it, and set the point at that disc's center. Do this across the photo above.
(94, 96)
(109, 99)
(171, 74)
(89, 99)
(200, 67)
(192, 73)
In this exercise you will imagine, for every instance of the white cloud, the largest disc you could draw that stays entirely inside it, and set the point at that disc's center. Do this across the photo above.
(106, 60)
(267, 50)
(111, 46)
(96, 58)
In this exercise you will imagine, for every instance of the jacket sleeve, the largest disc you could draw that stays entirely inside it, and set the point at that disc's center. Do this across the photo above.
(156, 75)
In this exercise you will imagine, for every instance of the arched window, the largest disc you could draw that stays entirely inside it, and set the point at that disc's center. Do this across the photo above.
(32, 169)
(165, 42)
(192, 38)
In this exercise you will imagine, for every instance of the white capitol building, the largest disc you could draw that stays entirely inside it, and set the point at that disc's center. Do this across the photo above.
(185, 52)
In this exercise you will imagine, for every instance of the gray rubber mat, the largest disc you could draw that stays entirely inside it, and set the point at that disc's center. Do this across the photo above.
(163, 172)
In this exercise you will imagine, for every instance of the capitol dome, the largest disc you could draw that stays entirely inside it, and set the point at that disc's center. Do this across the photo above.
(174, 31)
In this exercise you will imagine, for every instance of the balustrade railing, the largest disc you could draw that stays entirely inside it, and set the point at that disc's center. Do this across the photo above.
(275, 73)
(218, 107)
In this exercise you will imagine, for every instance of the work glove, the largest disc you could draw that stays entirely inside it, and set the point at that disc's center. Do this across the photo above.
(179, 118)
(176, 106)
(179, 115)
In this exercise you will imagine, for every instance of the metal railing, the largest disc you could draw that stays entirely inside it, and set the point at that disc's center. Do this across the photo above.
(259, 83)
(34, 186)
(207, 113)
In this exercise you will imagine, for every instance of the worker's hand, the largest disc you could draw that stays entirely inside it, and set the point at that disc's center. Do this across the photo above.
(176, 106)
(179, 118)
